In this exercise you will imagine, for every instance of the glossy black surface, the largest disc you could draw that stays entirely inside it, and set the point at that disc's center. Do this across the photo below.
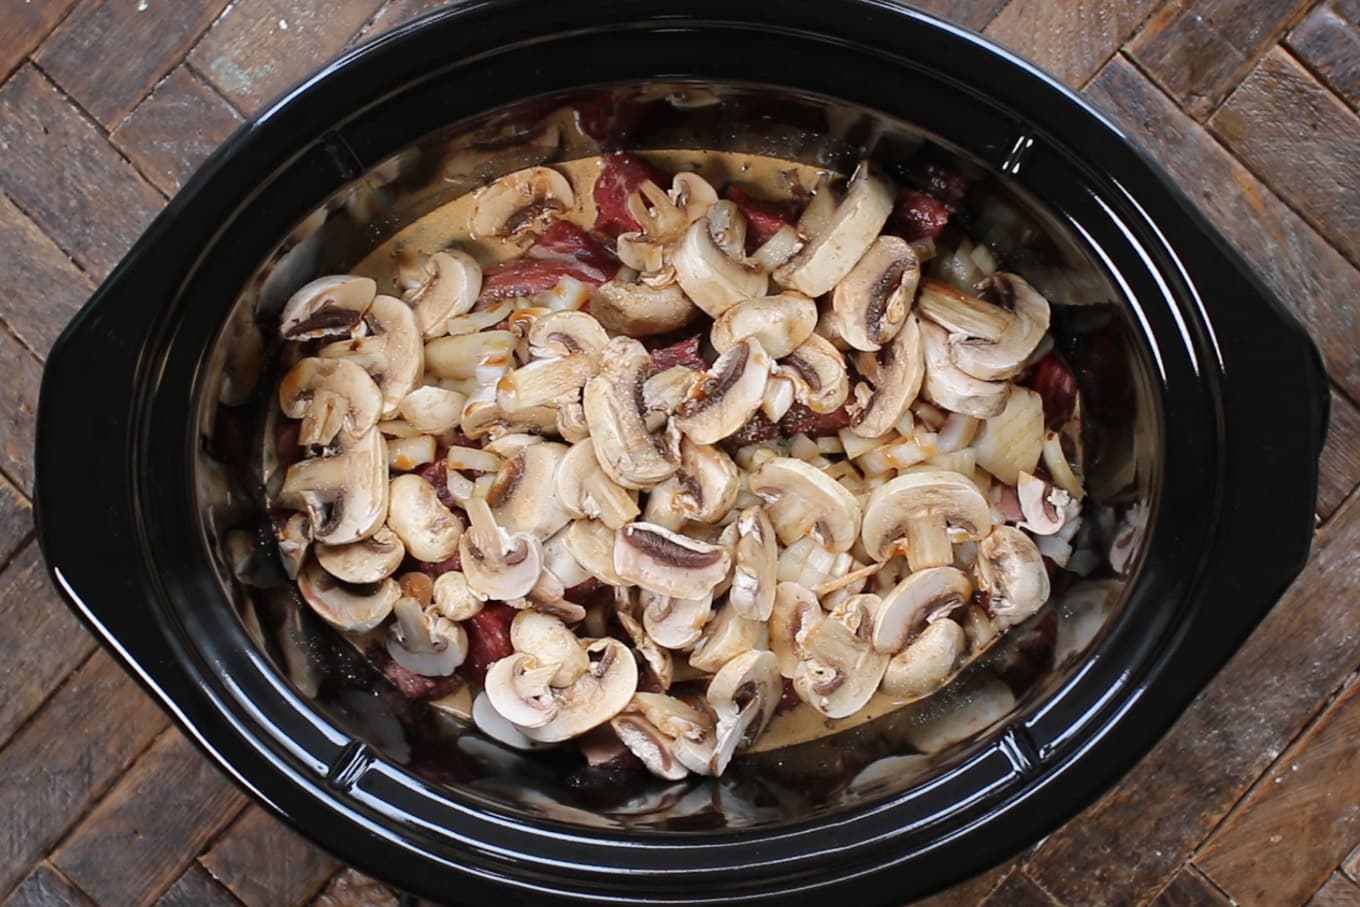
(130, 544)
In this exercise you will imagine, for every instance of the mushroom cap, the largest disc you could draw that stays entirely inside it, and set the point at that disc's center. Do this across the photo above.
(729, 394)
(951, 387)
(873, 301)
(597, 695)
(567, 333)
(551, 641)
(524, 200)
(744, 694)
(1046, 508)
(756, 565)
(428, 529)
(803, 500)
(424, 642)
(345, 495)
(675, 623)
(329, 395)
(841, 670)
(652, 747)
(1010, 569)
(833, 252)
(432, 410)
(330, 306)
(353, 609)
(368, 560)
(703, 489)
(667, 562)
(709, 276)
(817, 370)
(1027, 324)
(725, 637)
(781, 323)
(795, 612)
(453, 281)
(497, 726)
(920, 597)
(630, 454)
(498, 565)
(518, 688)
(591, 544)
(522, 496)
(452, 597)
(928, 495)
(393, 354)
(637, 310)
(584, 491)
(925, 665)
(898, 370)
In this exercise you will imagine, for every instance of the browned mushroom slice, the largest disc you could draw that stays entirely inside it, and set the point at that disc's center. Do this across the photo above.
(452, 283)
(668, 563)
(353, 609)
(637, 310)
(525, 200)
(846, 236)
(872, 302)
(841, 670)
(921, 508)
(728, 396)
(781, 323)
(630, 454)
(331, 306)
(345, 495)
(329, 396)
(897, 371)
(1011, 571)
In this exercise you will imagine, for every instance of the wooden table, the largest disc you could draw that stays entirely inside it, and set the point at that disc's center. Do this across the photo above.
(106, 106)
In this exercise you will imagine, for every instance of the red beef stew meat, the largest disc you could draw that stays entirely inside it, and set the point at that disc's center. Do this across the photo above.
(673, 466)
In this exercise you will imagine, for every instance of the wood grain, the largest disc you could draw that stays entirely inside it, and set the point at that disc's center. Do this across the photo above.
(1301, 267)
(399, 12)
(41, 286)
(42, 640)
(349, 888)
(62, 760)
(971, 892)
(1328, 40)
(62, 172)
(18, 407)
(26, 24)
(1019, 890)
(175, 129)
(195, 888)
(16, 521)
(163, 811)
(109, 85)
(1200, 49)
(1069, 38)
(1139, 833)
(1339, 467)
(975, 14)
(263, 862)
(1189, 888)
(1300, 139)
(46, 887)
(1351, 865)
(262, 47)
(1338, 891)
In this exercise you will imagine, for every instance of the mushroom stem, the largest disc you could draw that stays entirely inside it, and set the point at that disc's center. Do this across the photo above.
(928, 543)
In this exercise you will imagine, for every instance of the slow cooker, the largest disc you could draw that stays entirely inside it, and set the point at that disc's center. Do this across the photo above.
(1207, 409)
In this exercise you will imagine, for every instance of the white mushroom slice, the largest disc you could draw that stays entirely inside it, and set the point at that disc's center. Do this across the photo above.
(756, 563)
(591, 543)
(729, 394)
(922, 597)
(655, 657)
(393, 353)
(779, 397)
(626, 451)
(558, 561)
(637, 310)
(295, 539)
(524, 200)
(1046, 507)
(596, 696)
(571, 422)
(428, 529)
(458, 357)
(847, 235)
(522, 496)
(331, 306)
(432, 410)
(989, 354)
(453, 281)
(709, 276)
(424, 642)
(345, 495)
(962, 314)
(897, 371)
(498, 564)
(551, 641)
(406, 454)
(779, 248)
(931, 659)
(795, 613)
(668, 563)
(704, 488)
(817, 370)
(842, 670)
(743, 696)
(544, 382)
(726, 636)
(781, 323)
(329, 396)
(548, 596)
(872, 303)
(1012, 441)
(1010, 570)
(519, 690)
(921, 508)
(497, 726)
(560, 335)
(353, 609)
(649, 744)
(367, 561)
(676, 623)
(804, 500)
(584, 491)
(663, 393)
(953, 388)
(453, 599)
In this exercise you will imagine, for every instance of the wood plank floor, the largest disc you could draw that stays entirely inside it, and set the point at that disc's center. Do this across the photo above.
(1253, 798)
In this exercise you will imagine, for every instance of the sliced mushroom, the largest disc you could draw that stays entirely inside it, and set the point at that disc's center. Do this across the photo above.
(842, 670)
(710, 277)
(519, 690)
(1046, 507)
(453, 281)
(584, 491)
(331, 306)
(873, 301)
(953, 388)
(743, 694)
(922, 508)
(563, 334)
(424, 641)
(729, 394)
(817, 370)
(781, 323)
(625, 449)
(756, 563)
(655, 657)
(668, 563)
(591, 544)
(345, 495)
(571, 423)
(497, 726)
(551, 641)
(1010, 570)
(329, 396)
(524, 200)
(795, 612)
(522, 496)
(453, 598)
(663, 393)
(804, 500)
(897, 371)
(367, 561)
(637, 310)
(847, 235)
(931, 659)
(703, 489)
(393, 353)
(920, 598)
(295, 539)
(676, 623)
(650, 745)
(498, 564)
(428, 529)
(596, 696)
(990, 341)
(727, 635)
(353, 609)
(432, 410)
(406, 454)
